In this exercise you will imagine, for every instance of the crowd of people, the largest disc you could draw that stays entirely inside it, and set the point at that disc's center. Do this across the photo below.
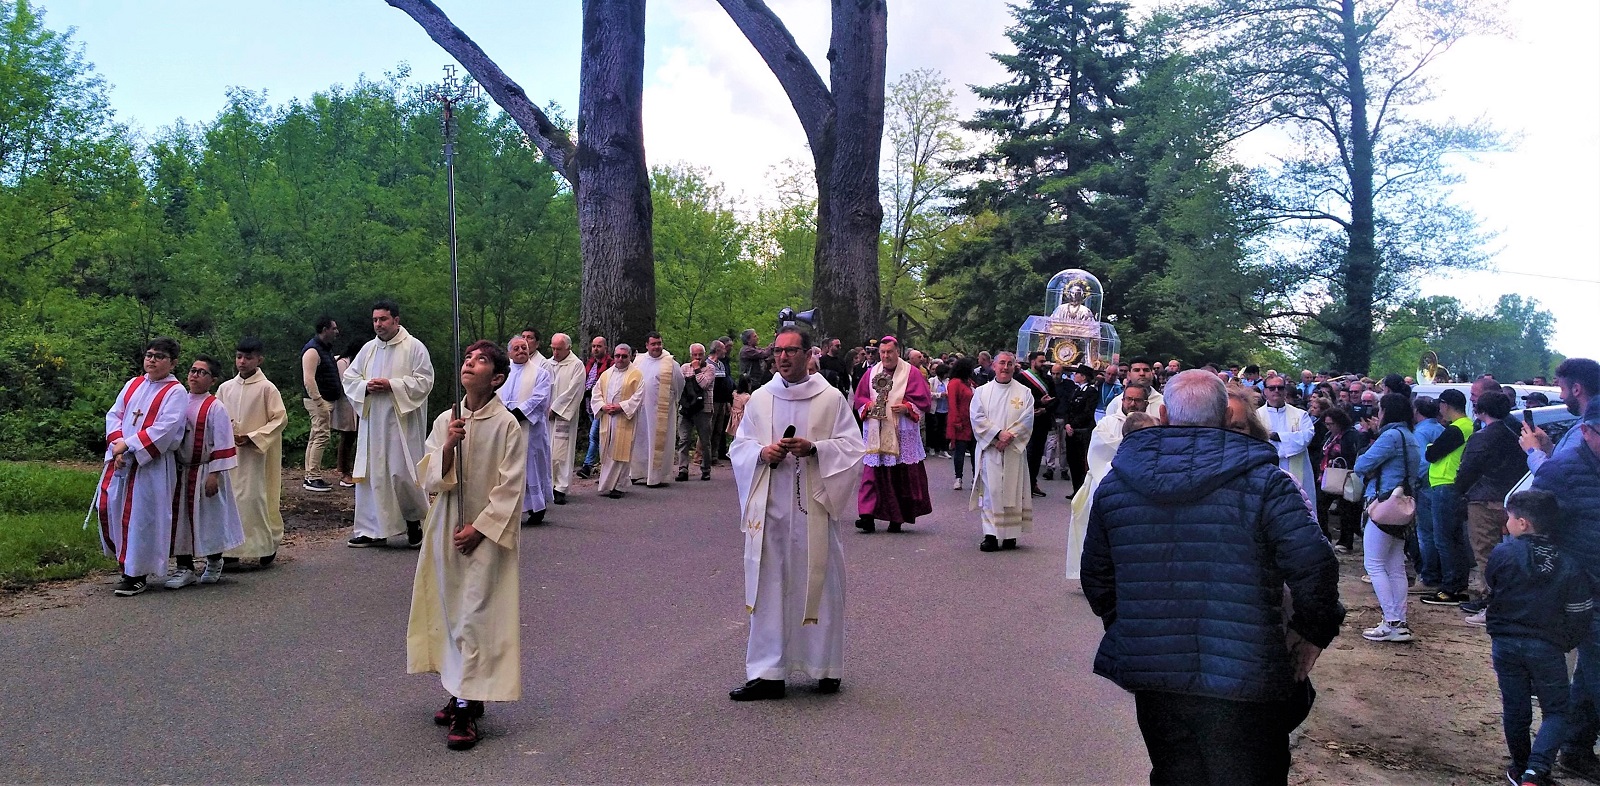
(1252, 488)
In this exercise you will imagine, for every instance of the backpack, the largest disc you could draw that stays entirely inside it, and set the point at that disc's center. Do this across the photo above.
(692, 401)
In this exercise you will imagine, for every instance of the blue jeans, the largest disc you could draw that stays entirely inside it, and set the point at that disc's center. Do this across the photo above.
(1583, 723)
(593, 455)
(1427, 554)
(1450, 538)
(1529, 667)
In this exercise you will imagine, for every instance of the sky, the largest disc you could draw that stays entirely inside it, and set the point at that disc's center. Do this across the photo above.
(711, 102)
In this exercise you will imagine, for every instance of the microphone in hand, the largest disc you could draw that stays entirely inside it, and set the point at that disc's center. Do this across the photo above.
(788, 433)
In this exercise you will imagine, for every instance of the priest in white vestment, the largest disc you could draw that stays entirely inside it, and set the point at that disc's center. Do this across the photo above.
(256, 409)
(1002, 422)
(1103, 444)
(566, 401)
(133, 503)
(615, 404)
(1291, 433)
(797, 463)
(205, 519)
(655, 431)
(464, 623)
(526, 393)
(388, 384)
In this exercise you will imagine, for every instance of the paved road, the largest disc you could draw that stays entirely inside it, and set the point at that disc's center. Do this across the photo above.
(961, 667)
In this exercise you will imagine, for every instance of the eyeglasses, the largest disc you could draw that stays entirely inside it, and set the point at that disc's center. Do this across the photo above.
(1140, 401)
(787, 350)
(205, 371)
(1275, 387)
(157, 356)
(621, 355)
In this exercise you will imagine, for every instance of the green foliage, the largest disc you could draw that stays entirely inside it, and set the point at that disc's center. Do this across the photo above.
(1509, 340)
(42, 536)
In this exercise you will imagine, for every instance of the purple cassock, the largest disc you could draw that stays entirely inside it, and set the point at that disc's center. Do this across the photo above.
(894, 486)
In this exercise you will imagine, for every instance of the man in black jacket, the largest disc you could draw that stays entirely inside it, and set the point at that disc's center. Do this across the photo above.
(1044, 397)
(1193, 537)
(1075, 407)
(1491, 465)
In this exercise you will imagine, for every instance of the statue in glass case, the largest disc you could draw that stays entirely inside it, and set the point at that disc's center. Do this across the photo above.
(1073, 333)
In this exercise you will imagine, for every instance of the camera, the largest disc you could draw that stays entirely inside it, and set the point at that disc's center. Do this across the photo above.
(1362, 410)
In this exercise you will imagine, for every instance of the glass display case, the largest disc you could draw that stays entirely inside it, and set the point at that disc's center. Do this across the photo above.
(1070, 332)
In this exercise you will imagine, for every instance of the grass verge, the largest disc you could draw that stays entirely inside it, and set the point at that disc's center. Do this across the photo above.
(41, 525)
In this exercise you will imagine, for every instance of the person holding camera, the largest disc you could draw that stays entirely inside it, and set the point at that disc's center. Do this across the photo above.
(694, 412)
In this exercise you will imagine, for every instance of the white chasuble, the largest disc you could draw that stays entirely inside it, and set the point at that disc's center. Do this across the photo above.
(133, 505)
(527, 391)
(566, 399)
(256, 409)
(656, 433)
(464, 624)
(792, 517)
(1294, 429)
(1103, 444)
(625, 388)
(393, 424)
(205, 525)
(1001, 491)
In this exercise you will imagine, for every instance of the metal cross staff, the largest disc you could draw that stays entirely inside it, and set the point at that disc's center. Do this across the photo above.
(447, 94)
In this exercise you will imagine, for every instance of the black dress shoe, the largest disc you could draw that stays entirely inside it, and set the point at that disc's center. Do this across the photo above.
(534, 518)
(612, 494)
(561, 497)
(989, 544)
(413, 534)
(1047, 475)
(655, 485)
(705, 474)
(636, 481)
(866, 524)
(1008, 543)
(1038, 493)
(265, 561)
(683, 476)
(828, 685)
(894, 526)
(757, 690)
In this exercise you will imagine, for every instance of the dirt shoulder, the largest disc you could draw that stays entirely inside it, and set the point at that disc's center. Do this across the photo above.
(1423, 712)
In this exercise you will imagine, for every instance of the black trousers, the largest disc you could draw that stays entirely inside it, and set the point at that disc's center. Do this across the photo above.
(1036, 441)
(1201, 740)
(1076, 450)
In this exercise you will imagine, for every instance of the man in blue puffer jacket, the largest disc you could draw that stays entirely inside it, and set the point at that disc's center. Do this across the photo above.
(1193, 537)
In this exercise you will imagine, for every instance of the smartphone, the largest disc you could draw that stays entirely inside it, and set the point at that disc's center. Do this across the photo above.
(1360, 410)
(1527, 417)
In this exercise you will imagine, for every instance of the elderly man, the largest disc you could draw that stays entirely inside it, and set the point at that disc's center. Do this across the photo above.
(1103, 444)
(1190, 515)
(694, 412)
(526, 393)
(658, 414)
(1002, 420)
(388, 383)
(890, 401)
(1291, 432)
(984, 373)
(615, 404)
(796, 459)
(566, 403)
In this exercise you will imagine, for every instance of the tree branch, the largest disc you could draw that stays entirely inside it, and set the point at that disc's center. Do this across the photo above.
(808, 94)
(554, 143)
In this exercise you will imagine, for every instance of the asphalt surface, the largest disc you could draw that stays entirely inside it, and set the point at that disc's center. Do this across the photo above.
(960, 666)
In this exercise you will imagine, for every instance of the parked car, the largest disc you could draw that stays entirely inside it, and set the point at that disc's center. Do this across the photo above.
(1433, 389)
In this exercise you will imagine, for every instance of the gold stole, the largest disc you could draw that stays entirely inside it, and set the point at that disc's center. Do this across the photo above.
(665, 404)
(883, 433)
(817, 525)
(616, 431)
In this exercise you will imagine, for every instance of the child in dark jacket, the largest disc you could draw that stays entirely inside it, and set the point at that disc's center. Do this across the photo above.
(1539, 608)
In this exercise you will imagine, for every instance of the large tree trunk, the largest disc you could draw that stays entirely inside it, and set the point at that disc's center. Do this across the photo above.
(1354, 329)
(614, 209)
(845, 130)
(849, 215)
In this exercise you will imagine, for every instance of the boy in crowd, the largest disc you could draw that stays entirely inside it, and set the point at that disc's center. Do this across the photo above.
(258, 416)
(464, 624)
(1539, 608)
(205, 519)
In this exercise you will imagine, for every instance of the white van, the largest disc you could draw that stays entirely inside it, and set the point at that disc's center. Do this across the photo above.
(1433, 389)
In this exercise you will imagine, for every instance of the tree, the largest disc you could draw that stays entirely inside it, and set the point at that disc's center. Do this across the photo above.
(1364, 199)
(844, 128)
(1509, 340)
(921, 133)
(700, 244)
(606, 166)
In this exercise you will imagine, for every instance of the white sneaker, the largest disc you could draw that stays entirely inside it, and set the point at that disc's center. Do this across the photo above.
(183, 578)
(1480, 620)
(213, 572)
(1388, 631)
(957, 486)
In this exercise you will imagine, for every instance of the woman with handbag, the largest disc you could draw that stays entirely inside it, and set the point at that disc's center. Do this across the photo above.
(1338, 453)
(1391, 466)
